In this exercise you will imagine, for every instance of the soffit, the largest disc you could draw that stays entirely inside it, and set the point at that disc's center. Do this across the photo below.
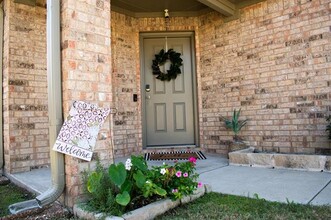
(155, 8)
(141, 6)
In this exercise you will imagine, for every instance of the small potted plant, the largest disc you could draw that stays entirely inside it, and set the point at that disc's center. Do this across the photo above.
(235, 125)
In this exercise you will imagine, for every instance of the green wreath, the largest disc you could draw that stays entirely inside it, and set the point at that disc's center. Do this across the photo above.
(161, 58)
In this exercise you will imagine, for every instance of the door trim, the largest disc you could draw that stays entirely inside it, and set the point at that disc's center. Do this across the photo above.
(190, 35)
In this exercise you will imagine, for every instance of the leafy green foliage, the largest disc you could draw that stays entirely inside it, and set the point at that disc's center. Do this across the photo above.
(140, 179)
(178, 180)
(126, 187)
(328, 126)
(101, 191)
(94, 181)
(234, 123)
(150, 189)
(139, 164)
(117, 174)
(123, 198)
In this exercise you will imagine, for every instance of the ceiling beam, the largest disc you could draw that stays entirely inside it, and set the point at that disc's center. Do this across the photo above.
(223, 6)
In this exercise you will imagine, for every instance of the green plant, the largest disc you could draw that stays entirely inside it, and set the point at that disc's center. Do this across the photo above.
(126, 187)
(100, 191)
(178, 180)
(234, 123)
(328, 127)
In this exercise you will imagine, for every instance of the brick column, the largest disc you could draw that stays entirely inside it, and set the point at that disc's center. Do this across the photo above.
(86, 75)
(25, 87)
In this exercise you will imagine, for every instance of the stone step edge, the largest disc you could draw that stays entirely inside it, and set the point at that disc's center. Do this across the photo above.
(149, 211)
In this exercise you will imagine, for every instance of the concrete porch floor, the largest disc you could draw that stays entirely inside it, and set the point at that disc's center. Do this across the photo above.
(280, 185)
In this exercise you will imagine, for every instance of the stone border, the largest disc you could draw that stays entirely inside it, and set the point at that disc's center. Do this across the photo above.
(247, 157)
(144, 213)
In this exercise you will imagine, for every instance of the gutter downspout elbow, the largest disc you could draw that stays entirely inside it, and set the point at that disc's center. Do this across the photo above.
(54, 112)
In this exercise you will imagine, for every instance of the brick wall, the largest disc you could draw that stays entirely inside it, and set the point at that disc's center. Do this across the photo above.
(25, 87)
(274, 63)
(86, 75)
(125, 64)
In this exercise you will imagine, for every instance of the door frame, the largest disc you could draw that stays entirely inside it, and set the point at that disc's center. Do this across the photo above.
(191, 36)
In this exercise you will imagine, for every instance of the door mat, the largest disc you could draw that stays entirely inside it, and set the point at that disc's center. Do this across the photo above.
(175, 155)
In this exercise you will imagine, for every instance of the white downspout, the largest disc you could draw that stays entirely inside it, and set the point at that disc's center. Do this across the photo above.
(54, 111)
(54, 101)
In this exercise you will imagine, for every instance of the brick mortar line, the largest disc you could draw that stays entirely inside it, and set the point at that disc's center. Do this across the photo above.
(319, 192)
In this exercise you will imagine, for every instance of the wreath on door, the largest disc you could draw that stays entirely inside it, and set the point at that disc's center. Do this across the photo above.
(161, 58)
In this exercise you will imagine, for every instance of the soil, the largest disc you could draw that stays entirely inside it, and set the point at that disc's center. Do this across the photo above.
(53, 211)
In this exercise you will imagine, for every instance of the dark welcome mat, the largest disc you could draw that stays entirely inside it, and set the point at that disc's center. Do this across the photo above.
(175, 155)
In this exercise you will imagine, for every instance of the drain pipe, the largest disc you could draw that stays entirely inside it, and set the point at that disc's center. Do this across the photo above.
(54, 111)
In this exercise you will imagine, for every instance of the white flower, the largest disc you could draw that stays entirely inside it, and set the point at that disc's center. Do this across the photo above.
(164, 163)
(147, 182)
(128, 164)
(163, 171)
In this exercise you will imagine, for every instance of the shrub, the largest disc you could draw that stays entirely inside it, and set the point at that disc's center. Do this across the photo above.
(124, 187)
(100, 191)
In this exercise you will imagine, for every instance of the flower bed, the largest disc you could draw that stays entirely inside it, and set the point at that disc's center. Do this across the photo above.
(125, 187)
(147, 212)
(248, 157)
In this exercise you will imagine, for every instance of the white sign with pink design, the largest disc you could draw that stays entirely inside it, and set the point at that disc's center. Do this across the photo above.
(79, 132)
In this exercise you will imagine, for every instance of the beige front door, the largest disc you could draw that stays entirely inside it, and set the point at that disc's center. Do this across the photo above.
(169, 105)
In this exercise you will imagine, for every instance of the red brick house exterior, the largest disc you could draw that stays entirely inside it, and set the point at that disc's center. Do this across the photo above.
(273, 61)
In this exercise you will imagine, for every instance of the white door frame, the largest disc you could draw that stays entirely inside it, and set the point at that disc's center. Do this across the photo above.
(190, 35)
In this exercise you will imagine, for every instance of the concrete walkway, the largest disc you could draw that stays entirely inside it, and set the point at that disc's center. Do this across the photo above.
(280, 185)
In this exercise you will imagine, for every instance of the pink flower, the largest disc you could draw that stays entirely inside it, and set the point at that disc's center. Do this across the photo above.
(185, 175)
(179, 173)
(193, 160)
(199, 184)
(174, 190)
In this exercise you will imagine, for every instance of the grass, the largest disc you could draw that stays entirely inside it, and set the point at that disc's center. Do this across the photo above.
(219, 206)
(10, 194)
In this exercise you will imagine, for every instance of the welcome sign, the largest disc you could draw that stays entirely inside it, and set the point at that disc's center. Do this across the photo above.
(79, 132)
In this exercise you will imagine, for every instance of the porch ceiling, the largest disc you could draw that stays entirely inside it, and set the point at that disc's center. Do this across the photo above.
(154, 8)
